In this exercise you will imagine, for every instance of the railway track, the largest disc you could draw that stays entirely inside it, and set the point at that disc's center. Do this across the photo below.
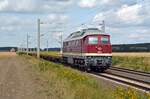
(141, 86)
(136, 79)
(130, 74)
(131, 71)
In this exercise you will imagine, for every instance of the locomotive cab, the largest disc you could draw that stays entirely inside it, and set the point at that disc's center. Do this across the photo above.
(98, 49)
(97, 44)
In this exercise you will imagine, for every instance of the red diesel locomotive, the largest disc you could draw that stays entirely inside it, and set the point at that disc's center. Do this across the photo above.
(89, 49)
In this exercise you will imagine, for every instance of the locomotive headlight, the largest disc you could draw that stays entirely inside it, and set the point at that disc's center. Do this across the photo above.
(109, 57)
(89, 57)
(89, 60)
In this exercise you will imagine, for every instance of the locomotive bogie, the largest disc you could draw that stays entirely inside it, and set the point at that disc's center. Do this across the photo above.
(89, 62)
(99, 62)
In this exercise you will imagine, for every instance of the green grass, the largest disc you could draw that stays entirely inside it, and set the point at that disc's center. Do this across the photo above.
(62, 82)
(52, 53)
(135, 63)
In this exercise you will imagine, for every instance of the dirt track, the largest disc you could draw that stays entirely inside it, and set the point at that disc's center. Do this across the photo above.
(17, 81)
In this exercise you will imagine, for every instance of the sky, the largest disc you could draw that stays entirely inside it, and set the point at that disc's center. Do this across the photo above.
(127, 21)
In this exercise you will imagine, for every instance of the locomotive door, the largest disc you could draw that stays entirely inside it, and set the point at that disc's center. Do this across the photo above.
(84, 44)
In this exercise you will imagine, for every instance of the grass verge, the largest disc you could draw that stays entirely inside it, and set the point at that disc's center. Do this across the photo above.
(135, 63)
(65, 83)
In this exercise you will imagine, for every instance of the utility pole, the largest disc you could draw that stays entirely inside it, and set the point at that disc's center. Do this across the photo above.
(61, 37)
(27, 44)
(21, 47)
(47, 45)
(38, 40)
(103, 26)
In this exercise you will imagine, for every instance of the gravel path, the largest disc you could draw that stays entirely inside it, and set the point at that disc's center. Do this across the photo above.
(17, 80)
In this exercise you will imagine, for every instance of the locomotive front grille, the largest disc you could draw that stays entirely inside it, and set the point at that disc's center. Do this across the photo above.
(99, 61)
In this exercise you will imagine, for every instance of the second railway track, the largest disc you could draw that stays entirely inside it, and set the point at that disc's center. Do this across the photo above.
(138, 85)
(131, 71)
(130, 74)
(137, 79)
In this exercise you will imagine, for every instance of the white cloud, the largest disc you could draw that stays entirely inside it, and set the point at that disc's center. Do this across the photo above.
(131, 21)
(55, 21)
(34, 5)
(109, 16)
(99, 17)
(139, 33)
(109, 2)
(8, 28)
(126, 16)
(94, 3)
(16, 27)
(17, 5)
(130, 13)
(87, 3)
(3, 4)
(123, 17)
(104, 3)
(134, 36)
(57, 17)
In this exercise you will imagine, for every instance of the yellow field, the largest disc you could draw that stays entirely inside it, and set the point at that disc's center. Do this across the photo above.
(7, 54)
(132, 54)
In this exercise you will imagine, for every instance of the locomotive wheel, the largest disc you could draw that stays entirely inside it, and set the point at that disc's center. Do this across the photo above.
(87, 69)
(82, 69)
(100, 70)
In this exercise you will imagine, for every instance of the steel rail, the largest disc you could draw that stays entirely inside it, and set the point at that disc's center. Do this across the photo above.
(127, 77)
(141, 85)
(132, 79)
(141, 73)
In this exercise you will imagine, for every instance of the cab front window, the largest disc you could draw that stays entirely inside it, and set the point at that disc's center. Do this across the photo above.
(104, 40)
(93, 40)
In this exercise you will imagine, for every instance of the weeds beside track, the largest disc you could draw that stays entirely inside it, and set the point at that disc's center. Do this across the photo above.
(143, 85)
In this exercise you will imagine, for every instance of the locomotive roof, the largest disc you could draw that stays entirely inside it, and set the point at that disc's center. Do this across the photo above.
(83, 33)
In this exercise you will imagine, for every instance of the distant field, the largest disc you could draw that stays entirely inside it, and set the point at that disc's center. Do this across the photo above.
(7, 54)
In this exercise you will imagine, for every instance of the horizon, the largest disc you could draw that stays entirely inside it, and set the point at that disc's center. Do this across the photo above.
(59, 47)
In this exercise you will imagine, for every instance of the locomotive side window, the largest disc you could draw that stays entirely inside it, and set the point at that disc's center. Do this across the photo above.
(93, 40)
(104, 40)
(66, 43)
